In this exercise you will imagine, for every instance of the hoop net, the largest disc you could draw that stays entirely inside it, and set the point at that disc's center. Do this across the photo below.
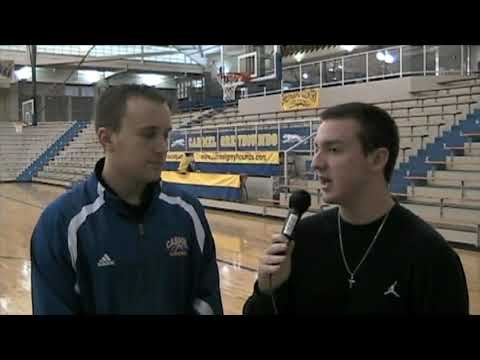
(230, 82)
(229, 90)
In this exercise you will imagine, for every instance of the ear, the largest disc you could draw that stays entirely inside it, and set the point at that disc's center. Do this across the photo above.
(378, 159)
(106, 138)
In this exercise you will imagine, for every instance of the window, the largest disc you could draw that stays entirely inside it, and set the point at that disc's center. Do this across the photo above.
(198, 84)
(71, 91)
(171, 54)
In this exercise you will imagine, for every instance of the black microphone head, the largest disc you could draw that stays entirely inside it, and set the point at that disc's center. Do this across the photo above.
(300, 201)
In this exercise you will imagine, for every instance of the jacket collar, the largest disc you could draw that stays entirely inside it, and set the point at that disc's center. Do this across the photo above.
(98, 187)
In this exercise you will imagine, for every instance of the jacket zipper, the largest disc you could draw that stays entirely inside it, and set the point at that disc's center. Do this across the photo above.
(141, 246)
(141, 230)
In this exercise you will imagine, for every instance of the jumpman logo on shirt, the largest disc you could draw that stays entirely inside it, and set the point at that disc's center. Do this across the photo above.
(391, 290)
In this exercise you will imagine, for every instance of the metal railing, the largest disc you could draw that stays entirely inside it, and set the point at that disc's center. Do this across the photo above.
(392, 62)
(285, 156)
(304, 115)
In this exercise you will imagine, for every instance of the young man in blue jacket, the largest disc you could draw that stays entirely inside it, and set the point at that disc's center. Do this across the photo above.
(122, 242)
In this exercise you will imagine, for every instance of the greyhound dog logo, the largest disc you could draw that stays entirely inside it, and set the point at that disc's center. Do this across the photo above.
(178, 143)
(291, 138)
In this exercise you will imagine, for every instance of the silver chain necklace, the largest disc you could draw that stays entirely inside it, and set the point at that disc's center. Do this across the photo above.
(352, 274)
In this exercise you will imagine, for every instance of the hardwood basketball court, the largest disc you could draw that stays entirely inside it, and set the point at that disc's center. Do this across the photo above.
(240, 241)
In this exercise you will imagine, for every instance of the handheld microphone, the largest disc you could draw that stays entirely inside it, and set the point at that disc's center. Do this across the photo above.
(299, 203)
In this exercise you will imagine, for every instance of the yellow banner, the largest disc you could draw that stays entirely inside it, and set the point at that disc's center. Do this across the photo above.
(205, 179)
(238, 157)
(298, 100)
(175, 155)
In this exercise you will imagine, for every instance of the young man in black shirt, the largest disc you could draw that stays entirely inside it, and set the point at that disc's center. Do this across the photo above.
(369, 255)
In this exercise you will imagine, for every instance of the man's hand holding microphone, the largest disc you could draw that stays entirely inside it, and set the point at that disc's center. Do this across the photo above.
(276, 264)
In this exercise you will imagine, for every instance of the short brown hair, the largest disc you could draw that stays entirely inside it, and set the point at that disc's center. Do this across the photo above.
(112, 104)
(378, 129)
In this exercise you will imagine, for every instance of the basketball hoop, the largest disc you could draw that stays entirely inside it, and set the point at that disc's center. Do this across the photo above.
(230, 82)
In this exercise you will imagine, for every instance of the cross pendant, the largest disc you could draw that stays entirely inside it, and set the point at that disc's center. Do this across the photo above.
(351, 281)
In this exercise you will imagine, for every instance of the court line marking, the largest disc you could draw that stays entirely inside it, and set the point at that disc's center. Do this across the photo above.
(22, 202)
(243, 267)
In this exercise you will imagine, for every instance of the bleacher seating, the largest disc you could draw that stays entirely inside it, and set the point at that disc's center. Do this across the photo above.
(75, 162)
(18, 150)
(180, 118)
(448, 196)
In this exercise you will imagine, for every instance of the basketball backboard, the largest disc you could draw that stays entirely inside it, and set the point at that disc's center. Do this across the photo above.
(261, 62)
(27, 111)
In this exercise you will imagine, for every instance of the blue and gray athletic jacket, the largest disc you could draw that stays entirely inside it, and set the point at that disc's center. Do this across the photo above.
(91, 255)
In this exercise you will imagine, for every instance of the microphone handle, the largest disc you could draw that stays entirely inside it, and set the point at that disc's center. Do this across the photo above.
(291, 221)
